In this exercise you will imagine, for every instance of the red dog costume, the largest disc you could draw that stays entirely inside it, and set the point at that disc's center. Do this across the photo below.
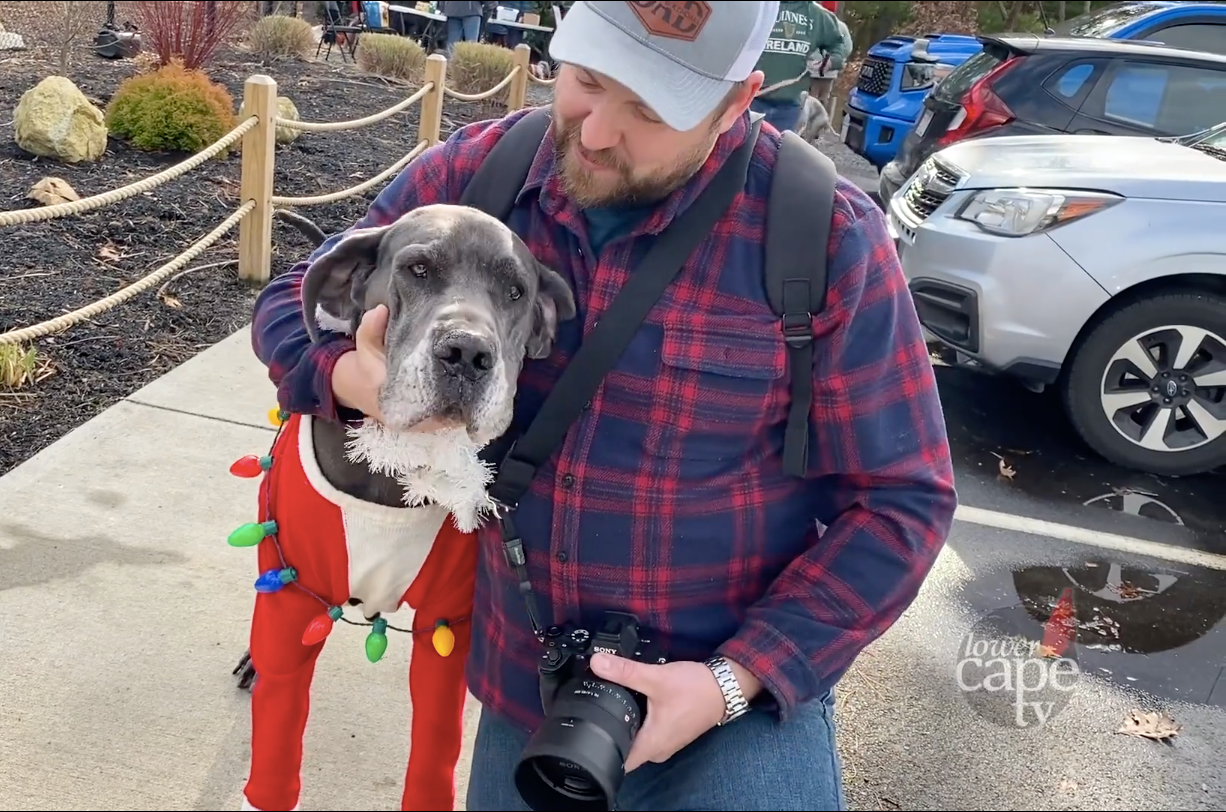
(325, 549)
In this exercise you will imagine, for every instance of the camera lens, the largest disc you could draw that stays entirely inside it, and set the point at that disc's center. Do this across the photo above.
(576, 758)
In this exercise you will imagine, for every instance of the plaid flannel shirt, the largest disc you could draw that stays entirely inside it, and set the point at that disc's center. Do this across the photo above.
(668, 497)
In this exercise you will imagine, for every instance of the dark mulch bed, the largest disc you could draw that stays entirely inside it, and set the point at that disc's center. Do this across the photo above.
(50, 268)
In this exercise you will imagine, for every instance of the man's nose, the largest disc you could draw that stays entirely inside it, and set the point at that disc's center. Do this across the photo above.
(600, 130)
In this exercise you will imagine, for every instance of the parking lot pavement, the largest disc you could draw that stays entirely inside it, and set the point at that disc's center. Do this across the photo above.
(1145, 559)
(849, 164)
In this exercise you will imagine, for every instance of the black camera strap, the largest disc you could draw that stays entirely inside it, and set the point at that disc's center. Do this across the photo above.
(601, 350)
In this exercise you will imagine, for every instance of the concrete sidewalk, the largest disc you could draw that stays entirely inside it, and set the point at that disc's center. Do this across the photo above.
(124, 612)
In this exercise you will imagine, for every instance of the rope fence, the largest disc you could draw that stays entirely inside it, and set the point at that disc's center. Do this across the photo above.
(259, 121)
(536, 80)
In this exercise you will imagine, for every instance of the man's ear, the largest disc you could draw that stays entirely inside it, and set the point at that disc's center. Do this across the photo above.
(334, 285)
(555, 303)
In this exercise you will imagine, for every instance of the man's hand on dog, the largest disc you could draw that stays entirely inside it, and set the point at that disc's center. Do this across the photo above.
(359, 374)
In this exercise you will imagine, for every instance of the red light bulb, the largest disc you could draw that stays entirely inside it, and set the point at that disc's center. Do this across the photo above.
(320, 627)
(250, 466)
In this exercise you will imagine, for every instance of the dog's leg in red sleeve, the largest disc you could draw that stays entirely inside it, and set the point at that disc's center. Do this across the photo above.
(442, 591)
(280, 700)
(310, 535)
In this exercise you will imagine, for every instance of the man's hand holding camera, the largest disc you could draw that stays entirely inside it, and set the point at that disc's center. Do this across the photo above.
(683, 702)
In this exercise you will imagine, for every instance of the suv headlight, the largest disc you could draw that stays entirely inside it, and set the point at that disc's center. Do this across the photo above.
(1019, 212)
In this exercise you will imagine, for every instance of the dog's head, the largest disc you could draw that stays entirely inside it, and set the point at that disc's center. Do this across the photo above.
(466, 303)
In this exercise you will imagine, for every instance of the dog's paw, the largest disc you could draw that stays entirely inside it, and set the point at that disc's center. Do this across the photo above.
(245, 671)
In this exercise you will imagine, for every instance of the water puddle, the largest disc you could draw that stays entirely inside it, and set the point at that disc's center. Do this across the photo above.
(1158, 630)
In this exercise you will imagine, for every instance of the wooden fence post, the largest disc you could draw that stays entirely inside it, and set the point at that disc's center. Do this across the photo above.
(517, 91)
(259, 154)
(430, 117)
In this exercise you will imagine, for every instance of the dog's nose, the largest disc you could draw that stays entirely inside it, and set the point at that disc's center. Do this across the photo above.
(465, 355)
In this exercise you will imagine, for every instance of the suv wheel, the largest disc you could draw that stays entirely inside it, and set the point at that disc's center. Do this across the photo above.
(1146, 388)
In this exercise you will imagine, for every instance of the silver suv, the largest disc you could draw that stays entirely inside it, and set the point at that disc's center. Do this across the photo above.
(1096, 264)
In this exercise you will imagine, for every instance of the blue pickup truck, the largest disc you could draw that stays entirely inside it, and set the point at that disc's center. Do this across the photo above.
(899, 72)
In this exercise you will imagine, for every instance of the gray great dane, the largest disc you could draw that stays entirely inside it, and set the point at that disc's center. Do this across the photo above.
(467, 303)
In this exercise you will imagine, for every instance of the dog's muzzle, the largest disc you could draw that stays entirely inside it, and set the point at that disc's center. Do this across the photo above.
(463, 365)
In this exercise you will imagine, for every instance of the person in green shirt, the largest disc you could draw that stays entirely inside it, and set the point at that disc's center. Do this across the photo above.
(802, 28)
(824, 69)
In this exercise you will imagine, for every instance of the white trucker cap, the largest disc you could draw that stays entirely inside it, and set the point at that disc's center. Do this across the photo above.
(680, 58)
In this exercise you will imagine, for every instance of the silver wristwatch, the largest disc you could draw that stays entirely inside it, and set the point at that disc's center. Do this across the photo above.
(735, 704)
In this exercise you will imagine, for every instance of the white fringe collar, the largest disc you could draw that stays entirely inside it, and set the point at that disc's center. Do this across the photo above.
(441, 467)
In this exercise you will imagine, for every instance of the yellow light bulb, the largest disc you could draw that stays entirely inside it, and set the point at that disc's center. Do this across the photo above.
(443, 639)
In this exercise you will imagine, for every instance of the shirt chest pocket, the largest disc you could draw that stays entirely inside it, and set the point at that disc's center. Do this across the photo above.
(722, 385)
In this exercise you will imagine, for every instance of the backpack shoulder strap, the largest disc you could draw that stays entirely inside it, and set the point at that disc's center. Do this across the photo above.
(496, 183)
(799, 209)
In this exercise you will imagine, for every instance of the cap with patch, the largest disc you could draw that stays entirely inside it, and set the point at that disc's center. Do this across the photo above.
(680, 58)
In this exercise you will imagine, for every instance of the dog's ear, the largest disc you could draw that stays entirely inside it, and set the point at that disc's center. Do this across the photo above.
(555, 303)
(334, 285)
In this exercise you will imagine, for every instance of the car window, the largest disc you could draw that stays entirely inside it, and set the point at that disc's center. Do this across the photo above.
(961, 78)
(1169, 99)
(1070, 82)
(1193, 37)
(1104, 21)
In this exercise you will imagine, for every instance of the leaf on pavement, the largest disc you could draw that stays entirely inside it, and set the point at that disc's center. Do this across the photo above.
(1006, 470)
(1152, 725)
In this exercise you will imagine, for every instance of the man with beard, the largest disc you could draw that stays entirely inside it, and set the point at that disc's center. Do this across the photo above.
(668, 498)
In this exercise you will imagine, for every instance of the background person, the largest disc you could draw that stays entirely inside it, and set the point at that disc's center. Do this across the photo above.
(463, 22)
(802, 28)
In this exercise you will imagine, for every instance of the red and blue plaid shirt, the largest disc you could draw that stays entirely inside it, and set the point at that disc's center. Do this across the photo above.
(668, 498)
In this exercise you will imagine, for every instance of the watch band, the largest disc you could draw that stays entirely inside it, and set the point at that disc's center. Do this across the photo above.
(735, 704)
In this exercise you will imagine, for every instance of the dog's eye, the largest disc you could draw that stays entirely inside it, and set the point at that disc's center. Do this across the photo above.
(514, 292)
(418, 269)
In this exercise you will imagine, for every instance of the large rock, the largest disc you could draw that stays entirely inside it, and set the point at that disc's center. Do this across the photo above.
(55, 120)
(287, 111)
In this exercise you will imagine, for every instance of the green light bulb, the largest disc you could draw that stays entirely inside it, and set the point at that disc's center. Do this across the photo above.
(376, 641)
(252, 534)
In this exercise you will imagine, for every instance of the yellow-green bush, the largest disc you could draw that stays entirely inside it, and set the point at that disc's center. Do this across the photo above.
(18, 365)
(391, 56)
(475, 67)
(171, 108)
(281, 36)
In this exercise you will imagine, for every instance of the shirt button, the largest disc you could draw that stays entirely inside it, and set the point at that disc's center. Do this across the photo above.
(568, 481)
(562, 558)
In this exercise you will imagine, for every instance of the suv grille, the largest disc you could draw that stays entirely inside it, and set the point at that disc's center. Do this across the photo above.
(875, 76)
(931, 189)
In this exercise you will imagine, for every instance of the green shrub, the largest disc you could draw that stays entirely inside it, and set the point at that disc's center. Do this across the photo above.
(475, 67)
(391, 56)
(172, 109)
(281, 36)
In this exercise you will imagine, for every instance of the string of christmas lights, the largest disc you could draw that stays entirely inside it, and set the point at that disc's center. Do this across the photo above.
(273, 580)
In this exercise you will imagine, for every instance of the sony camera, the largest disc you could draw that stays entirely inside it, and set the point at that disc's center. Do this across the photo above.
(576, 759)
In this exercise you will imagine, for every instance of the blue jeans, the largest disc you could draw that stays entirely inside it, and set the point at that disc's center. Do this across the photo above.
(462, 29)
(782, 116)
(754, 763)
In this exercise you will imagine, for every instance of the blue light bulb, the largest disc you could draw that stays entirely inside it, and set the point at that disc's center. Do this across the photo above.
(274, 580)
